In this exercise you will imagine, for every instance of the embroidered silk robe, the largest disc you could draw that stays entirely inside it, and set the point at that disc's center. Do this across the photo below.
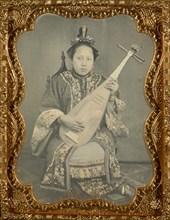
(93, 166)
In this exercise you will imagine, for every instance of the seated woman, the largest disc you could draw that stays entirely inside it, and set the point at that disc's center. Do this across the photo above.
(93, 166)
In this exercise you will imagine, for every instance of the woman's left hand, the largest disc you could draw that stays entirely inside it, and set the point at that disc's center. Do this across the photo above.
(112, 85)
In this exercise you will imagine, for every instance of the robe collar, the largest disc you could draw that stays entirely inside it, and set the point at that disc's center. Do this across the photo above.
(81, 77)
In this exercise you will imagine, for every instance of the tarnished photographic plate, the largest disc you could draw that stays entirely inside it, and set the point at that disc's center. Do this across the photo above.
(85, 109)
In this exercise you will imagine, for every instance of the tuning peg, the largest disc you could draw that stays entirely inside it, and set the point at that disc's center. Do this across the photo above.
(135, 47)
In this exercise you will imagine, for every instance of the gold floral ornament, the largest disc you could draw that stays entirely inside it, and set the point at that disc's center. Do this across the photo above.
(17, 200)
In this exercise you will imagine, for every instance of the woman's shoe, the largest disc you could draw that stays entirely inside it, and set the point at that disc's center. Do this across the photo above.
(127, 190)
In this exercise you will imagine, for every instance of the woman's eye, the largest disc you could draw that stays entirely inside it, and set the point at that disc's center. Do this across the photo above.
(83, 58)
(79, 58)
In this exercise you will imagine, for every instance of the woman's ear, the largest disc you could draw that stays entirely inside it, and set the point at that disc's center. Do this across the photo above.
(96, 59)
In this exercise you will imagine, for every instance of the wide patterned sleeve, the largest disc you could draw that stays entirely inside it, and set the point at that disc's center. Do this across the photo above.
(50, 111)
(43, 130)
(113, 118)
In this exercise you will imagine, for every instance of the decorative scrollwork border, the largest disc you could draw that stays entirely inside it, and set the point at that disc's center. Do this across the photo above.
(151, 202)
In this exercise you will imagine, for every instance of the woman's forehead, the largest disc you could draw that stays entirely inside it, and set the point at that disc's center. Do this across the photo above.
(84, 48)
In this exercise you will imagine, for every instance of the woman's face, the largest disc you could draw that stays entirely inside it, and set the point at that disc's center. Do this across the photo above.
(83, 60)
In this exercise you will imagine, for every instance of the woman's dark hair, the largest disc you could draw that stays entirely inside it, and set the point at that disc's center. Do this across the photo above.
(71, 51)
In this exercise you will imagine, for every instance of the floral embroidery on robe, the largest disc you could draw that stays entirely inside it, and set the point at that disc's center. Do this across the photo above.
(101, 172)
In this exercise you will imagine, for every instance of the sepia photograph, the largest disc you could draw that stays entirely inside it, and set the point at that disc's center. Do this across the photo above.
(85, 109)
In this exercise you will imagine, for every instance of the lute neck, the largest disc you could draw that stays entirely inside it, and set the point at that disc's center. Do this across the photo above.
(118, 70)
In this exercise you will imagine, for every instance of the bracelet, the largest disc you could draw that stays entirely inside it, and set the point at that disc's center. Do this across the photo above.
(112, 98)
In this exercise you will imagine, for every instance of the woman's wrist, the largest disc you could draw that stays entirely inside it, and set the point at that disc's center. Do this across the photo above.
(59, 120)
(112, 97)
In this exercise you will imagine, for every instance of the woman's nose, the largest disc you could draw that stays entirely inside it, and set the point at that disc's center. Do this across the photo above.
(84, 62)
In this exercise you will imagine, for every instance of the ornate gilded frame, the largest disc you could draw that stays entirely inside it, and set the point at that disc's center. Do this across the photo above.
(151, 202)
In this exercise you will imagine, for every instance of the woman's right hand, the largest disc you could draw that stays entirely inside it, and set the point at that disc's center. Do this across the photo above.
(71, 123)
